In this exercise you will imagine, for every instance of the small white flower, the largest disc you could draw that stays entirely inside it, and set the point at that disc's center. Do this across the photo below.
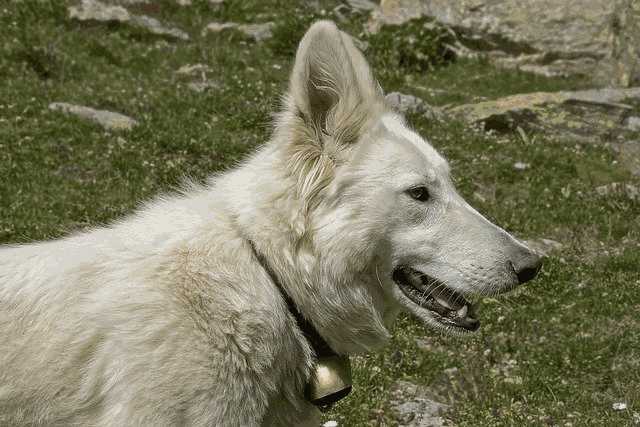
(619, 406)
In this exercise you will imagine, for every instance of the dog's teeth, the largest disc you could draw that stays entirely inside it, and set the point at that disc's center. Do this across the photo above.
(444, 303)
(463, 311)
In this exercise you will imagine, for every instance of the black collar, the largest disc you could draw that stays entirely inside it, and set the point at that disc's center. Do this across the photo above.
(320, 347)
(317, 343)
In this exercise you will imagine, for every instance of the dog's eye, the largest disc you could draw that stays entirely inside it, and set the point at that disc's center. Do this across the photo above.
(420, 194)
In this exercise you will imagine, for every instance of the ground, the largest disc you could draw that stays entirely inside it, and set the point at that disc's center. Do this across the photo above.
(560, 351)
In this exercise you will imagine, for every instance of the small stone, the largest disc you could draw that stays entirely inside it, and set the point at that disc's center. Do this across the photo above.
(405, 103)
(516, 380)
(193, 69)
(632, 123)
(330, 423)
(521, 166)
(258, 32)
(202, 86)
(93, 10)
(479, 197)
(216, 27)
(450, 372)
(544, 246)
(424, 344)
(629, 156)
(184, 2)
(360, 44)
(619, 406)
(362, 5)
(629, 190)
(156, 27)
(107, 119)
(414, 406)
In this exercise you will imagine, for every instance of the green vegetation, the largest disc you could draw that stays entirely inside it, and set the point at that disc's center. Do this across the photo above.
(560, 350)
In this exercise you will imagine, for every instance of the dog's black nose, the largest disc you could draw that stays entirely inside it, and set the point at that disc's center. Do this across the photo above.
(527, 267)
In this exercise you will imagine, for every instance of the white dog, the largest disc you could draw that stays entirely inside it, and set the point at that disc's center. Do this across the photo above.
(181, 313)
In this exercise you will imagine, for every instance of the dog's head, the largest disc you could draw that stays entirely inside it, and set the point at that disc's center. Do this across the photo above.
(381, 201)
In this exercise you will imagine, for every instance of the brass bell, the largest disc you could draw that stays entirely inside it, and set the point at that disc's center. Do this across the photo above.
(330, 381)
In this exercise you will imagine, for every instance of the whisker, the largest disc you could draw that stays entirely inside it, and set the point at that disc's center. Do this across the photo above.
(378, 277)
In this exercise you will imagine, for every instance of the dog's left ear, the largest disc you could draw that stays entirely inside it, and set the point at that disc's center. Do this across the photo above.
(332, 88)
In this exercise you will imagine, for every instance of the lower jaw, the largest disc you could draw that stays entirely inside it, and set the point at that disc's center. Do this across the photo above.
(445, 318)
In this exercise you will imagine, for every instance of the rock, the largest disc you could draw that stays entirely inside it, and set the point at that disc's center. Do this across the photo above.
(130, 2)
(92, 10)
(405, 103)
(625, 38)
(362, 5)
(415, 406)
(630, 191)
(107, 119)
(521, 166)
(599, 38)
(632, 123)
(216, 27)
(584, 116)
(411, 104)
(256, 32)
(330, 423)
(184, 2)
(629, 156)
(544, 246)
(202, 86)
(360, 44)
(155, 27)
(193, 69)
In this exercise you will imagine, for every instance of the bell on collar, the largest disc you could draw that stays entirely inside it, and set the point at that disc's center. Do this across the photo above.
(330, 380)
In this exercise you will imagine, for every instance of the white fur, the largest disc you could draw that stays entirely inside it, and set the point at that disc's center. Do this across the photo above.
(167, 318)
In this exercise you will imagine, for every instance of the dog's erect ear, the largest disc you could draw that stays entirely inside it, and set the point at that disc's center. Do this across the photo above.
(331, 85)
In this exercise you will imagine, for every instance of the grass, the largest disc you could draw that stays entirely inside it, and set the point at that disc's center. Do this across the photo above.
(571, 339)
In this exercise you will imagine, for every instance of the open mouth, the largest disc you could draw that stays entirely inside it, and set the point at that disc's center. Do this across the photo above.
(446, 305)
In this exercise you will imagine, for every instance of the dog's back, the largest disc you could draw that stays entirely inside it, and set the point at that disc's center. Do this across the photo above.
(162, 319)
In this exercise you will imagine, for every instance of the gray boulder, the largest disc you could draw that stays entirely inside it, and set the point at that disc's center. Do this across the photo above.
(585, 116)
(595, 38)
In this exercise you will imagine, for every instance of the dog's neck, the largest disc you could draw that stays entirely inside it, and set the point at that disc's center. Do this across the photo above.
(342, 300)
(313, 337)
